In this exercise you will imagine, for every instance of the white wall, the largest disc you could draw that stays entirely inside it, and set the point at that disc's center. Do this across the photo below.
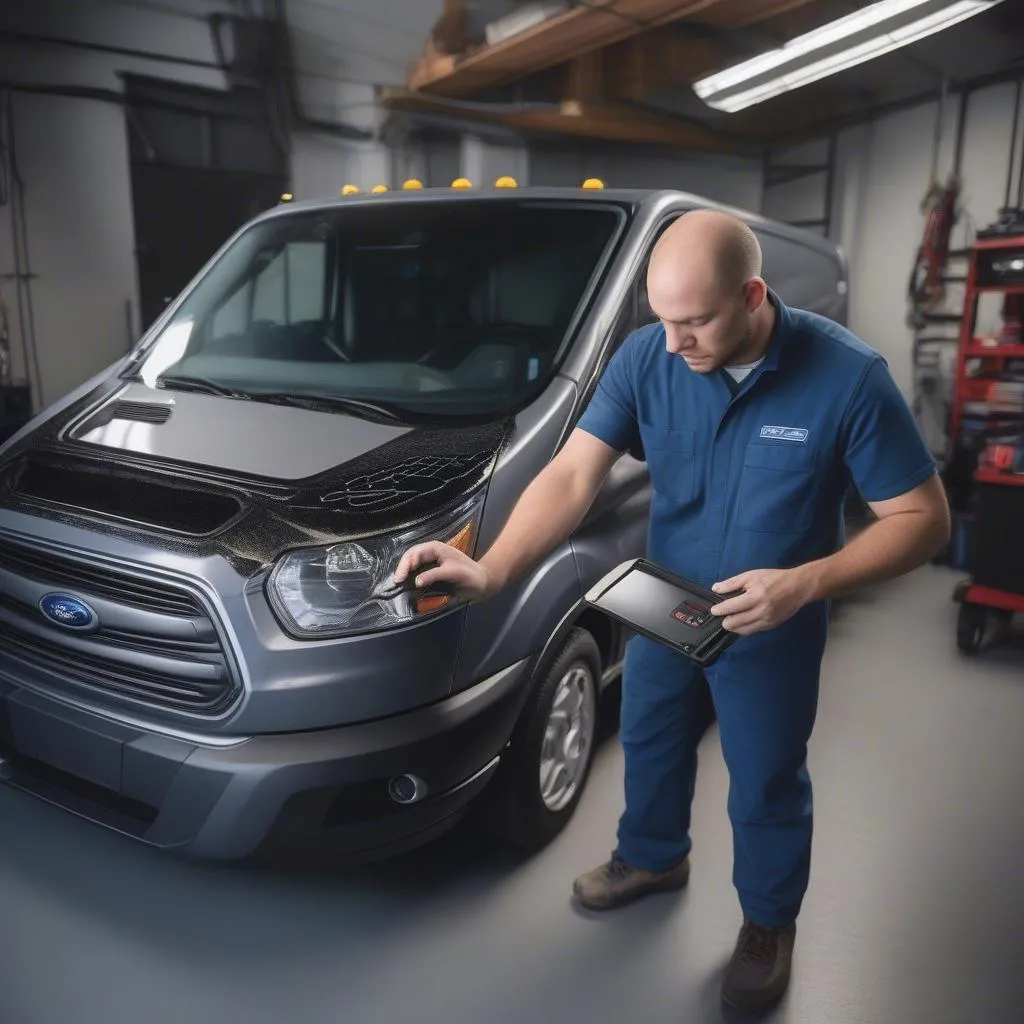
(883, 173)
(723, 179)
(73, 157)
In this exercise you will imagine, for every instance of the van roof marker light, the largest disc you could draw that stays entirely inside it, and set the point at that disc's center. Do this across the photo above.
(593, 183)
(506, 181)
(350, 190)
(412, 183)
(462, 183)
(378, 189)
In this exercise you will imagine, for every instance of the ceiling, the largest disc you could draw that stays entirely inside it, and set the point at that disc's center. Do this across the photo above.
(359, 41)
(638, 87)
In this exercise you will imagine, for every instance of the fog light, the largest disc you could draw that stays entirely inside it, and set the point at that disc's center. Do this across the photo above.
(407, 789)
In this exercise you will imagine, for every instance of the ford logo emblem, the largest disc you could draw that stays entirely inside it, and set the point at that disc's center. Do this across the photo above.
(69, 612)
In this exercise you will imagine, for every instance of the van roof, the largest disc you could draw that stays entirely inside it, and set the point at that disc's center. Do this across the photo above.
(635, 198)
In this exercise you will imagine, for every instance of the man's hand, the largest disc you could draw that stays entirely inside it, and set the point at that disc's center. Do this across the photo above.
(469, 578)
(769, 597)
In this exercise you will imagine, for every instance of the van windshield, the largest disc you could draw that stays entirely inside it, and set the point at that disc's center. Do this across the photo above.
(436, 308)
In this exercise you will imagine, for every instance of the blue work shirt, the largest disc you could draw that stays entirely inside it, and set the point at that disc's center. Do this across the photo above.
(754, 476)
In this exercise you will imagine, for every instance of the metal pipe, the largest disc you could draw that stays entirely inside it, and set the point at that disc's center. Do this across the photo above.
(1020, 177)
(961, 132)
(121, 51)
(23, 267)
(9, 125)
(940, 117)
(1013, 146)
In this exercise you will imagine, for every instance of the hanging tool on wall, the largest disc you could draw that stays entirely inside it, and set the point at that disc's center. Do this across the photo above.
(927, 287)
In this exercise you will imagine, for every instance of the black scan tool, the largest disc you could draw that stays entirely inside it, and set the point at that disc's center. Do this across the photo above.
(666, 608)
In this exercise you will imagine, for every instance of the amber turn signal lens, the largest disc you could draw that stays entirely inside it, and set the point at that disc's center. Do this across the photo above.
(463, 542)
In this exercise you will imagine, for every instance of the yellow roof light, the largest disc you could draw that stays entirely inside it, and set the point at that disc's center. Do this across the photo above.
(593, 183)
(506, 181)
(462, 183)
(412, 183)
(377, 189)
(350, 190)
(287, 197)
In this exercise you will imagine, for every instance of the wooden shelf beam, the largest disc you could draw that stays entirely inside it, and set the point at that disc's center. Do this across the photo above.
(579, 118)
(580, 30)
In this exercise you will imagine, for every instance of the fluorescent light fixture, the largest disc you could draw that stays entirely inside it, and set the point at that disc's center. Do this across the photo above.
(868, 33)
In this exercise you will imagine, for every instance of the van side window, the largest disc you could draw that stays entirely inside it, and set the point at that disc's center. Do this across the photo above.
(644, 314)
(801, 276)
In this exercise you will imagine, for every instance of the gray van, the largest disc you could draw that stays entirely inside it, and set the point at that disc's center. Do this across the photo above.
(197, 644)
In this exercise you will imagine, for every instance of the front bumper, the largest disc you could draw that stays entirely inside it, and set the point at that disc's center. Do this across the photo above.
(236, 798)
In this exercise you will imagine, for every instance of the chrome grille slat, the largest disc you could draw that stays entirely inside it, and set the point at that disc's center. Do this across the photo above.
(151, 595)
(155, 644)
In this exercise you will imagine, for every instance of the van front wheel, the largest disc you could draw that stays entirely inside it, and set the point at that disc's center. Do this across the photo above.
(542, 777)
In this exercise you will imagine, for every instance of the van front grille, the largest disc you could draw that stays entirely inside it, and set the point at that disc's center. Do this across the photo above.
(154, 642)
(153, 595)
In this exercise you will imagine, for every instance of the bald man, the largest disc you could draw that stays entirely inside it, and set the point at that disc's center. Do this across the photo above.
(754, 419)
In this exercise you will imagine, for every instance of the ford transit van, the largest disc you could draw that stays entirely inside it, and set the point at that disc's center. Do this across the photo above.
(197, 646)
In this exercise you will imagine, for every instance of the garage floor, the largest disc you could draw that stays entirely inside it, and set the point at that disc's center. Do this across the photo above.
(915, 913)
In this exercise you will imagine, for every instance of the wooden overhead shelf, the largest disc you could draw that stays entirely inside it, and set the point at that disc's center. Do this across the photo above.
(578, 31)
(610, 122)
(744, 13)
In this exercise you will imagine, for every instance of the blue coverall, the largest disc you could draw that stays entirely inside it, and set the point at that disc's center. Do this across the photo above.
(746, 476)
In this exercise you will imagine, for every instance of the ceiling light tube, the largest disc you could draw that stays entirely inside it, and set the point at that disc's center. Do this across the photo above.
(907, 23)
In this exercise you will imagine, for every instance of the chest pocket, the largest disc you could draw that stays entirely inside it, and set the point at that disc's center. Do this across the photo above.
(671, 458)
(778, 488)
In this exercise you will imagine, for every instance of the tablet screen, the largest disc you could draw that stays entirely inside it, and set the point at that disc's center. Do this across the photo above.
(661, 607)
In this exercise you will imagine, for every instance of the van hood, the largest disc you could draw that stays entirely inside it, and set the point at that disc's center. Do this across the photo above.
(251, 439)
(205, 475)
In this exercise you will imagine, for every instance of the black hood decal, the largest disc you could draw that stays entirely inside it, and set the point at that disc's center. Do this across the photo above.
(249, 521)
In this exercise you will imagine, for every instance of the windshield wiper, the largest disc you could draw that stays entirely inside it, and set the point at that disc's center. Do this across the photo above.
(310, 400)
(200, 384)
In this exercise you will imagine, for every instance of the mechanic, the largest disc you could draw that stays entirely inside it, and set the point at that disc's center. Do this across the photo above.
(754, 419)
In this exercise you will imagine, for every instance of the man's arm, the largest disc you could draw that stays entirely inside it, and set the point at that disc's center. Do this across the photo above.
(550, 508)
(554, 504)
(910, 529)
(892, 468)
(547, 512)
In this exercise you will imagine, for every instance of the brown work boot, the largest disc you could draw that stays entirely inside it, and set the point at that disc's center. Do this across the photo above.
(758, 972)
(617, 883)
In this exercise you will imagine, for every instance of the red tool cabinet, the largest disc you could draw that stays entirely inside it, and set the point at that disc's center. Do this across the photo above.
(990, 385)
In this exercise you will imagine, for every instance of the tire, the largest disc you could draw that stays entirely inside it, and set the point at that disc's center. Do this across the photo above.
(517, 809)
(971, 627)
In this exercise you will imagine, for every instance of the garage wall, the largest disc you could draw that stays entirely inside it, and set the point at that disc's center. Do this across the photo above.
(726, 180)
(73, 157)
(321, 165)
(72, 154)
(882, 174)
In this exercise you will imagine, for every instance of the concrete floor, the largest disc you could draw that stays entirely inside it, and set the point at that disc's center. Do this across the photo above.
(915, 912)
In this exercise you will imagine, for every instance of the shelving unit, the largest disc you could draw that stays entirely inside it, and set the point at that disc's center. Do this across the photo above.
(995, 591)
(934, 360)
(971, 388)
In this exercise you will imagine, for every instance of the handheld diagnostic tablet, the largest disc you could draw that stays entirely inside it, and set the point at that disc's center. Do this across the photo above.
(666, 608)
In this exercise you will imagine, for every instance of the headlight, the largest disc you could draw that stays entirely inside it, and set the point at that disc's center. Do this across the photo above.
(330, 591)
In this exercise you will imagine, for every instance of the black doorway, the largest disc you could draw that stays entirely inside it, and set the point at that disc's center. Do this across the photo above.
(202, 164)
(182, 217)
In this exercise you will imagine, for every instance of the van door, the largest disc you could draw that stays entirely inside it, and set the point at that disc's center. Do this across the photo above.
(615, 528)
(803, 276)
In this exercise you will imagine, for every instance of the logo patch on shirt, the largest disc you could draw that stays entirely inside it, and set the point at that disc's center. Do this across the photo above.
(785, 433)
